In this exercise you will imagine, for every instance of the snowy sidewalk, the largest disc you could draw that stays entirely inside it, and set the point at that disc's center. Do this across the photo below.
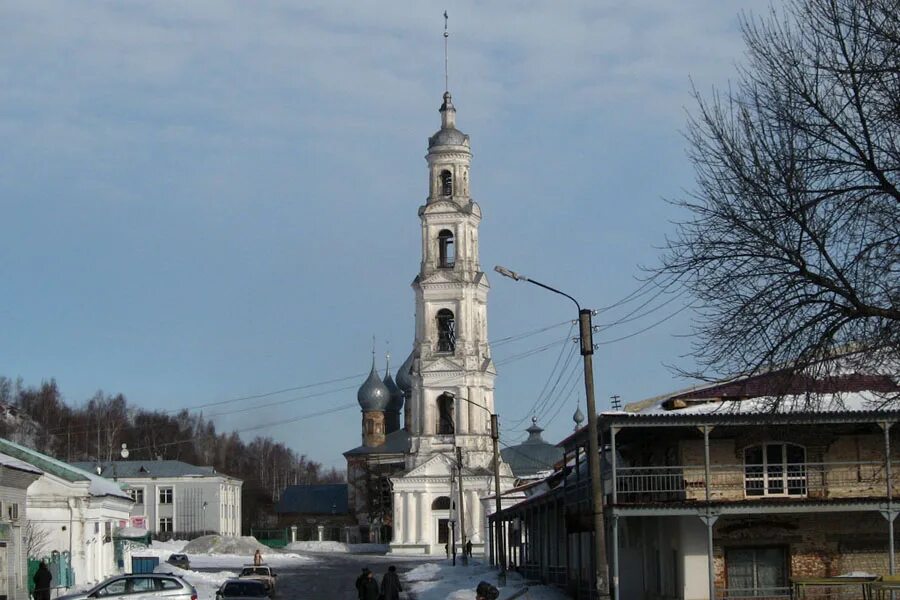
(443, 581)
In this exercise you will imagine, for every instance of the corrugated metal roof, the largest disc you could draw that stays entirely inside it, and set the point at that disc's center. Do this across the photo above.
(147, 469)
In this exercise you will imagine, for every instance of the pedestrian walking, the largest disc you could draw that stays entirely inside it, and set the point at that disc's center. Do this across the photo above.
(42, 579)
(469, 548)
(359, 582)
(447, 550)
(390, 585)
(369, 588)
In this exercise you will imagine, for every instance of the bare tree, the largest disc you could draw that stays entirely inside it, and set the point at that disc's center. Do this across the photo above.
(792, 249)
(34, 539)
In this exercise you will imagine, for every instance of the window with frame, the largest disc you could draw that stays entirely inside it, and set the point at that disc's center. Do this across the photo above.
(775, 469)
(114, 588)
(165, 525)
(166, 495)
(757, 572)
(137, 494)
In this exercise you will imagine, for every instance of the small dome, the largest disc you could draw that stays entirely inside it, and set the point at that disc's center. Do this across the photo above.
(396, 394)
(448, 134)
(578, 417)
(534, 457)
(448, 137)
(404, 374)
(373, 395)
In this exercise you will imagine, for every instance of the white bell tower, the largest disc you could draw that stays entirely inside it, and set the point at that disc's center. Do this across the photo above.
(449, 377)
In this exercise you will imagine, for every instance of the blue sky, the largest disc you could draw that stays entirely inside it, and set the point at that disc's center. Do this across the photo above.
(209, 199)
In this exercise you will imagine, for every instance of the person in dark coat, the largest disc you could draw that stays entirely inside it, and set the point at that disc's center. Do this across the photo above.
(42, 579)
(469, 548)
(486, 591)
(369, 587)
(359, 582)
(390, 584)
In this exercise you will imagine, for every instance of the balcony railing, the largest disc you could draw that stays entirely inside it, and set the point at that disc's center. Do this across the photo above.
(739, 482)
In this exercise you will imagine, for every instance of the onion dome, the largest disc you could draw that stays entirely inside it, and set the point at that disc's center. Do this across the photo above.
(373, 395)
(404, 374)
(448, 135)
(578, 417)
(396, 394)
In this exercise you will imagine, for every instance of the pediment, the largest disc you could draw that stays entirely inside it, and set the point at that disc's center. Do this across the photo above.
(441, 276)
(438, 465)
(441, 365)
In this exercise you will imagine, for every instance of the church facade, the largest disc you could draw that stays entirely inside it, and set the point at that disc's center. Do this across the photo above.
(441, 459)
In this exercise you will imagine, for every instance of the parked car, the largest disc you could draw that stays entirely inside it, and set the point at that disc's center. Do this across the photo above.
(144, 586)
(263, 573)
(179, 560)
(242, 589)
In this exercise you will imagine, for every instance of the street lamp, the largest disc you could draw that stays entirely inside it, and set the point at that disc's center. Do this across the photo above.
(585, 329)
(495, 437)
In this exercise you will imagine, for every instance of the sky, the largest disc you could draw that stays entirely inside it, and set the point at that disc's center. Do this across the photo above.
(203, 201)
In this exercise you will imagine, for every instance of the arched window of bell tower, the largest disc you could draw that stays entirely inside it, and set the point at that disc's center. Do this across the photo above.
(446, 183)
(445, 414)
(446, 331)
(446, 249)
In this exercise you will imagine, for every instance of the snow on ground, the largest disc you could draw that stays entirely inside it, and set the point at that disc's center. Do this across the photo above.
(226, 565)
(224, 544)
(443, 581)
(337, 547)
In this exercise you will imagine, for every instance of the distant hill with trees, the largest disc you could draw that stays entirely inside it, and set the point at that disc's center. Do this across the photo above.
(39, 417)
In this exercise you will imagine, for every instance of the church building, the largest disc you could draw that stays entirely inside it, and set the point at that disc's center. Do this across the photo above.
(445, 387)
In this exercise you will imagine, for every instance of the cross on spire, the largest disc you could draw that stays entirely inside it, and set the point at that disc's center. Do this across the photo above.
(446, 55)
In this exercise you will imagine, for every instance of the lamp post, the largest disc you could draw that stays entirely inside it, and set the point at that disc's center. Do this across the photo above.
(585, 330)
(495, 437)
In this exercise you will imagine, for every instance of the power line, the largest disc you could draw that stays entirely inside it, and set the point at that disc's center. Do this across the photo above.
(645, 329)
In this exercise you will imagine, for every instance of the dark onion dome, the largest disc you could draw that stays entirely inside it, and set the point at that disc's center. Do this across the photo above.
(533, 456)
(578, 417)
(404, 374)
(396, 401)
(373, 395)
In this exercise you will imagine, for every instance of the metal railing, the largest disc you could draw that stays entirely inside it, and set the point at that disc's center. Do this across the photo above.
(863, 479)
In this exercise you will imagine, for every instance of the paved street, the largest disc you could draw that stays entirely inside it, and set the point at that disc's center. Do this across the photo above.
(332, 576)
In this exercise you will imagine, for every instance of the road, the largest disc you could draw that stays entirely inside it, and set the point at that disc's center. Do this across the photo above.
(332, 576)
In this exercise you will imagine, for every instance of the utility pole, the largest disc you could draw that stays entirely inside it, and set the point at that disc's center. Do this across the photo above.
(586, 337)
(462, 506)
(501, 555)
(452, 522)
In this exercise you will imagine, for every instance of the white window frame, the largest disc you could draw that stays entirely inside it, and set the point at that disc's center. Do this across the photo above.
(135, 489)
(785, 478)
(159, 525)
(159, 495)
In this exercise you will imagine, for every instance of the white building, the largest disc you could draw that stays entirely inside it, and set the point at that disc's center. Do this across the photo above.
(77, 510)
(450, 373)
(15, 477)
(171, 496)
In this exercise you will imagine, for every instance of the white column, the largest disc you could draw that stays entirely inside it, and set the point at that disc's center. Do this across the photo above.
(425, 519)
(398, 517)
(406, 522)
(475, 518)
(420, 514)
(463, 412)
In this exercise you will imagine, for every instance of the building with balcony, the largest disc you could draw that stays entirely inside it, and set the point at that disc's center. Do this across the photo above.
(732, 490)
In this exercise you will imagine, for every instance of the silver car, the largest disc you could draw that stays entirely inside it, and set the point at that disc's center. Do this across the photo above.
(144, 586)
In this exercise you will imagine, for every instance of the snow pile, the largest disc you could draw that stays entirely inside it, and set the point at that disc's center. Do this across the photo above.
(337, 547)
(442, 581)
(223, 544)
